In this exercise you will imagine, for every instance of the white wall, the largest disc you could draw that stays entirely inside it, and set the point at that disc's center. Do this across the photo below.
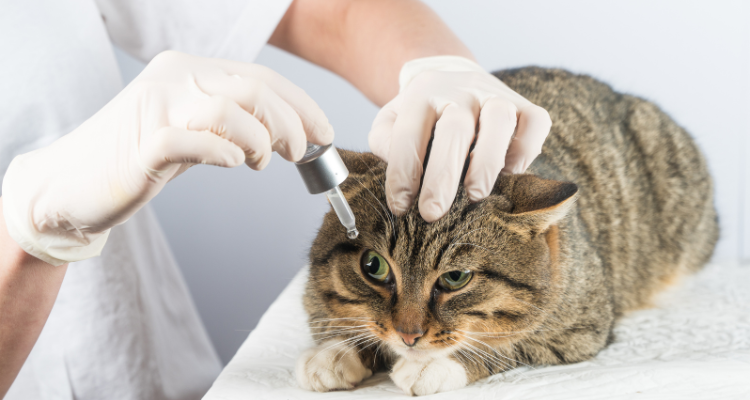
(240, 235)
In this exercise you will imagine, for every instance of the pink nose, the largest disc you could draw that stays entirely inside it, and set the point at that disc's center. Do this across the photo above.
(410, 339)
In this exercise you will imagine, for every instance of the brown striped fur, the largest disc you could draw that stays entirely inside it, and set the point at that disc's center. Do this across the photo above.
(618, 204)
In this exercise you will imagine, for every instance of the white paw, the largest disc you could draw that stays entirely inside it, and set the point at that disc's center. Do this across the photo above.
(419, 378)
(330, 366)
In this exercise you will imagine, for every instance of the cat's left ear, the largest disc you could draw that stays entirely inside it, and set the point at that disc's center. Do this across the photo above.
(536, 202)
(363, 168)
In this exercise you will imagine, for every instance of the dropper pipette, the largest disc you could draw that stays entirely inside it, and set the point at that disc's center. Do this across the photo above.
(322, 170)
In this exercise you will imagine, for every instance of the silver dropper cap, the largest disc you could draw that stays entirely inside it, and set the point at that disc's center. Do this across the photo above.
(321, 168)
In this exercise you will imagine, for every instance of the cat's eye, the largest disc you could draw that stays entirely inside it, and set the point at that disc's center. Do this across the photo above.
(374, 265)
(454, 280)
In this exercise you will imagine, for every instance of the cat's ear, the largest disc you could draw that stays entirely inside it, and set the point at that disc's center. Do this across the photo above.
(534, 201)
(363, 168)
(361, 163)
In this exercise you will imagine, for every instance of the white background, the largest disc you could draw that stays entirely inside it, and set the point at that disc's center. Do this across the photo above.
(240, 236)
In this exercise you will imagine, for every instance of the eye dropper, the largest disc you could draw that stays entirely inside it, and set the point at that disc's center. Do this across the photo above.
(323, 171)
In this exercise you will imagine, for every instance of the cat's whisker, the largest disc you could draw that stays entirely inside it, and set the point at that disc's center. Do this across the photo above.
(382, 185)
(342, 333)
(341, 342)
(377, 350)
(385, 208)
(478, 358)
(463, 348)
(339, 331)
(498, 352)
(338, 326)
(487, 356)
(368, 342)
(354, 344)
(317, 321)
(466, 354)
(374, 342)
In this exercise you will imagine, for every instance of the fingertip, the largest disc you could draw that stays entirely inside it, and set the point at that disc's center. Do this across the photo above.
(327, 136)
(476, 194)
(399, 205)
(258, 163)
(321, 135)
(431, 211)
(399, 201)
(380, 147)
(298, 151)
(235, 156)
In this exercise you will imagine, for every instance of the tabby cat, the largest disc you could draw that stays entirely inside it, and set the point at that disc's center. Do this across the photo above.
(618, 206)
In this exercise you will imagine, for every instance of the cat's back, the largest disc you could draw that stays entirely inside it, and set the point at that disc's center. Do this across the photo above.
(646, 197)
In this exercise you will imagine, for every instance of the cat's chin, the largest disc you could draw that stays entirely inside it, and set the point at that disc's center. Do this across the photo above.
(413, 354)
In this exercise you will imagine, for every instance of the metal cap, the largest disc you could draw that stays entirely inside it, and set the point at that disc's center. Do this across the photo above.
(321, 168)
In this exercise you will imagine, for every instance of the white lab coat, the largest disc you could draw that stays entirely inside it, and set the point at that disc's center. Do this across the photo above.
(124, 325)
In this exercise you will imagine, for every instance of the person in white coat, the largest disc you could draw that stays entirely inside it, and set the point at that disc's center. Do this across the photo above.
(84, 156)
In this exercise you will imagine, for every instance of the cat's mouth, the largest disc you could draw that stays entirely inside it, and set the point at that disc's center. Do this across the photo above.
(416, 353)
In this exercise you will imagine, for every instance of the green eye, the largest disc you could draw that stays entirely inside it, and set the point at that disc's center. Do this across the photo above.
(454, 280)
(374, 265)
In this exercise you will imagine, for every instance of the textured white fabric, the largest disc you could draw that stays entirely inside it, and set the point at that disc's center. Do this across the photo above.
(694, 345)
(123, 326)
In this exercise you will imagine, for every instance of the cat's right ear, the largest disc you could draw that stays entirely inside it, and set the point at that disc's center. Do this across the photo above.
(535, 202)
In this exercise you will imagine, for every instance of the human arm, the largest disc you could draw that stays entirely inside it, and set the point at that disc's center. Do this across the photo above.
(28, 288)
(365, 41)
(368, 42)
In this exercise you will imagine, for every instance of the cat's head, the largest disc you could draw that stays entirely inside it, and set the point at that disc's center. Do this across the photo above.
(485, 272)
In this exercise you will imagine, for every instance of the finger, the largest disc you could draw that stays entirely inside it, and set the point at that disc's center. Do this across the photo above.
(454, 133)
(381, 132)
(411, 133)
(314, 120)
(227, 119)
(171, 145)
(288, 137)
(497, 121)
(534, 124)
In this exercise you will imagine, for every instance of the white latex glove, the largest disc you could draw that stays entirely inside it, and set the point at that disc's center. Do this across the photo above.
(61, 201)
(455, 96)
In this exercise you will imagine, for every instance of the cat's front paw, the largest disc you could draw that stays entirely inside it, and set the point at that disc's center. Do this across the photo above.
(419, 378)
(330, 366)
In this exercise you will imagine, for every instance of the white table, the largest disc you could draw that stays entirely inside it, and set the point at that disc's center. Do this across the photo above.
(695, 345)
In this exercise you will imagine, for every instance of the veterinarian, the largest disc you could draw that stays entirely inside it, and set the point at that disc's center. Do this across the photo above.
(80, 154)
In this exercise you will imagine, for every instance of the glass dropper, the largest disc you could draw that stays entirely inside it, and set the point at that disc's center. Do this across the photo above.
(323, 171)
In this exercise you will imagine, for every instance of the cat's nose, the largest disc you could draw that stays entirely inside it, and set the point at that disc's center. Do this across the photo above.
(410, 339)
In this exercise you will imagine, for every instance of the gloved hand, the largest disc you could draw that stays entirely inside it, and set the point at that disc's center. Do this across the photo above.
(452, 94)
(61, 201)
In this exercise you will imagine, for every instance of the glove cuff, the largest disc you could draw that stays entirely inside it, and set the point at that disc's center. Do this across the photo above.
(435, 63)
(54, 242)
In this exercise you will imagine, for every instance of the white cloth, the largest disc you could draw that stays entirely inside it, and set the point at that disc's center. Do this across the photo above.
(123, 326)
(694, 345)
